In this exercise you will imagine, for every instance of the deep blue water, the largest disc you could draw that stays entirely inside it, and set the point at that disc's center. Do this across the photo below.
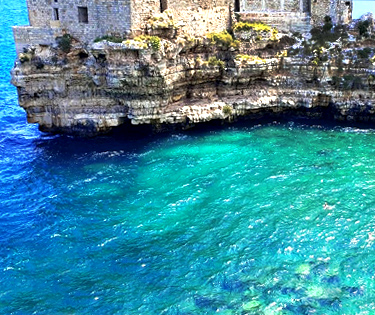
(227, 221)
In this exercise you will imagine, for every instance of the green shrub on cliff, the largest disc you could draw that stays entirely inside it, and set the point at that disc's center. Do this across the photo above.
(162, 20)
(274, 33)
(109, 38)
(351, 82)
(64, 42)
(247, 26)
(155, 43)
(227, 110)
(152, 41)
(364, 53)
(224, 40)
(328, 33)
(24, 57)
(363, 27)
(247, 59)
(214, 62)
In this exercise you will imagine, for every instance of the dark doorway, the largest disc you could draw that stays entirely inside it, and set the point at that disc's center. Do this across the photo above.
(83, 15)
(163, 5)
(237, 7)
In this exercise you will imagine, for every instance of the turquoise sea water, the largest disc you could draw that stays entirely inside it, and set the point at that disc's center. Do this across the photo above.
(222, 221)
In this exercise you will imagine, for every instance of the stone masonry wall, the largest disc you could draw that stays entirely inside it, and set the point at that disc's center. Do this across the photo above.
(319, 9)
(285, 21)
(142, 11)
(197, 17)
(104, 16)
(275, 5)
(27, 35)
(202, 17)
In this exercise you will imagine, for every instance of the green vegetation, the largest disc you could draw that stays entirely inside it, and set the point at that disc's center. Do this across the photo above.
(223, 39)
(215, 62)
(246, 26)
(245, 59)
(348, 82)
(325, 43)
(162, 20)
(24, 57)
(109, 38)
(363, 28)
(259, 31)
(64, 43)
(351, 82)
(153, 41)
(297, 35)
(274, 33)
(227, 110)
(326, 33)
(364, 53)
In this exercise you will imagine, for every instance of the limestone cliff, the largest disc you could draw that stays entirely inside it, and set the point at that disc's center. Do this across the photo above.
(180, 80)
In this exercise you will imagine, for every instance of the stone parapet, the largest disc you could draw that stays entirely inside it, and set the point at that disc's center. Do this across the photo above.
(83, 19)
(28, 35)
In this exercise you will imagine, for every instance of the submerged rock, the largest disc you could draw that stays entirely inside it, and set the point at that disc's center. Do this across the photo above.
(252, 305)
(303, 269)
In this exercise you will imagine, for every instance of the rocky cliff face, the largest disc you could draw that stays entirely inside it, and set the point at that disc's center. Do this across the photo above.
(183, 81)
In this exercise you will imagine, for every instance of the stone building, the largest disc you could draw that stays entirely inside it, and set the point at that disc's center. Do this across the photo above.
(88, 19)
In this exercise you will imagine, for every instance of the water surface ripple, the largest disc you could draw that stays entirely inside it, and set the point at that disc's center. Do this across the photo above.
(227, 221)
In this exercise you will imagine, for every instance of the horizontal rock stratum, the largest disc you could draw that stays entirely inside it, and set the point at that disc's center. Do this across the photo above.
(183, 81)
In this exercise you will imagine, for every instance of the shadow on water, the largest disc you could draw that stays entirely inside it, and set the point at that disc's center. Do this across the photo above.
(133, 139)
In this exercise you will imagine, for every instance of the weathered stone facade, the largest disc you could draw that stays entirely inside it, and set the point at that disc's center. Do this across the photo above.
(194, 17)
(296, 15)
(340, 11)
(276, 5)
(89, 19)
(202, 17)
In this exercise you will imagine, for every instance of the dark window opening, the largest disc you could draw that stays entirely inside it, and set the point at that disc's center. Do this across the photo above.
(56, 16)
(307, 7)
(237, 7)
(163, 5)
(347, 3)
(83, 15)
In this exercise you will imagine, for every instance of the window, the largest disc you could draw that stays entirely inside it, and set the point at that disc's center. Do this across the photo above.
(83, 15)
(237, 6)
(163, 5)
(56, 14)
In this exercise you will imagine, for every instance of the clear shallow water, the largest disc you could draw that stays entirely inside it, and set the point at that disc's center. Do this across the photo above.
(226, 221)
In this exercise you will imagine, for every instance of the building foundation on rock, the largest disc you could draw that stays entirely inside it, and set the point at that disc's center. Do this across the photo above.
(86, 20)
